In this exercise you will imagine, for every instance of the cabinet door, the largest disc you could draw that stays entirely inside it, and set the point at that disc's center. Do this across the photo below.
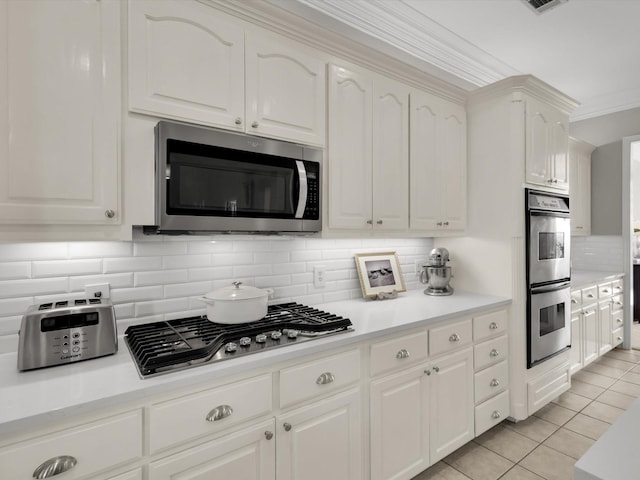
(400, 425)
(575, 363)
(390, 155)
(186, 61)
(424, 184)
(60, 120)
(559, 153)
(604, 322)
(322, 440)
(285, 91)
(451, 420)
(248, 454)
(580, 186)
(453, 196)
(349, 152)
(537, 123)
(590, 334)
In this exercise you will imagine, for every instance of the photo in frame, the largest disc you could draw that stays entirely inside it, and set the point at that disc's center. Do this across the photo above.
(379, 273)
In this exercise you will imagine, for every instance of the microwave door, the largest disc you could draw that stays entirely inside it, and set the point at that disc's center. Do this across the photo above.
(302, 190)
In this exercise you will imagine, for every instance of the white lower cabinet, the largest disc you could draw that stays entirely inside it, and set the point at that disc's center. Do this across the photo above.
(321, 441)
(604, 324)
(590, 334)
(248, 454)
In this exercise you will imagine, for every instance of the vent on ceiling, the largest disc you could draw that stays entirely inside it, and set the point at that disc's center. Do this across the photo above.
(540, 6)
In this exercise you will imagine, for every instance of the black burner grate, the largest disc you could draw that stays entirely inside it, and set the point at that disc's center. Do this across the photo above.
(161, 347)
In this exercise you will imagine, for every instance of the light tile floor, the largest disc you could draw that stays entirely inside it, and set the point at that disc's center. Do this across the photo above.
(547, 444)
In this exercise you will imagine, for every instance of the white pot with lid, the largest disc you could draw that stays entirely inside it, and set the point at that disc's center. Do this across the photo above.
(236, 303)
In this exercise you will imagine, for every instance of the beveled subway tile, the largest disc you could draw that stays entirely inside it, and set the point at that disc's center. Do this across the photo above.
(478, 462)
(602, 411)
(570, 443)
(549, 463)
(506, 442)
(440, 471)
(627, 388)
(533, 427)
(594, 379)
(616, 399)
(585, 389)
(572, 401)
(587, 426)
(555, 414)
(519, 473)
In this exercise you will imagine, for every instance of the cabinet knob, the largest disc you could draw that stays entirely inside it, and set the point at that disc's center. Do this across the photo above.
(369, 222)
(427, 372)
(590, 295)
(109, 213)
(379, 222)
(454, 338)
(494, 383)
(605, 290)
(254, 125)
(325, 378)
(446, 224)
(439, 224)
(55, 466)
(493, 326)
(619, 339)
(436, 369)
(238, 121)
(268, 435)
(619, 320)
(495, 414)
(220, 412)
(494, 353)
(555, 180)
(574, 301)
(403, 354)
(286, 426)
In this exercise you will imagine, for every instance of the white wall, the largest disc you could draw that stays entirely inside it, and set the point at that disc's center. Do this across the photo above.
(607, 128)
(160, 277)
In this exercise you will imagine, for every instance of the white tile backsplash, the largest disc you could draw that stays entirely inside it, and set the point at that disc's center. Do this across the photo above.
(598, 252)
(161, 277)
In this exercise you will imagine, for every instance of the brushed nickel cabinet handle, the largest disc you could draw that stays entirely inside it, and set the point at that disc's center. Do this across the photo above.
(439, 224)
(436, 369)
(379, 222)
(446, 224)
(590, 295)
(403, 354)
(109, 213)
(495, 414)
(494, 383)
(325, 378)
(427, 372)
(238, 121)
(574, 301)
(254, 125)
(268, 435)
(369, 222)
(286, 426)
(454, 338)
(218, 413)
(55, 466)
(493, 326)
(494, 353)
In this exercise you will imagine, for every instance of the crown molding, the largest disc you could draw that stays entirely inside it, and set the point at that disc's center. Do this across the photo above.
(606, 104)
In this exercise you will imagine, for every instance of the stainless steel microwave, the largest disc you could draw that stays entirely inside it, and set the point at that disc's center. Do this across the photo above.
(209, 180)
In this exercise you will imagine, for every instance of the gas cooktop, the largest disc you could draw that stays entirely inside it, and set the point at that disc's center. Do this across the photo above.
(168, 346)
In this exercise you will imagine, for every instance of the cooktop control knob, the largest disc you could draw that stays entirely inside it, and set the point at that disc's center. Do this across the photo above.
(261, 338)
(292, 333)
(230, 347)
(275, 335)
(245, 341)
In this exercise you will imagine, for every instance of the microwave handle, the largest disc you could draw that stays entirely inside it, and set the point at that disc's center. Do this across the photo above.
(550, 288)
(303, 191)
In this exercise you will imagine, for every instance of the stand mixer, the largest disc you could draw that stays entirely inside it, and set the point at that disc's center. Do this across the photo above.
(435, 274)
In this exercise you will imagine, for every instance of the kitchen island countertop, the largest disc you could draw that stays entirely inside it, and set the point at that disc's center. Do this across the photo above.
(35, 398)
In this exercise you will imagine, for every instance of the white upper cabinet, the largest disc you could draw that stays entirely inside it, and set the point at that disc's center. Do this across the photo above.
(580, 186)
(547, 146)
(190, 62)
(438, 181)
(186, 61)
(60, 112)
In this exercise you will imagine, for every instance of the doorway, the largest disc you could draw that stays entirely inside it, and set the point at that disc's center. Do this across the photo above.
(631, 237)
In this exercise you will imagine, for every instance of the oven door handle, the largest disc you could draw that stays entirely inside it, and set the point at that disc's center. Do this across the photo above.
(550, 288)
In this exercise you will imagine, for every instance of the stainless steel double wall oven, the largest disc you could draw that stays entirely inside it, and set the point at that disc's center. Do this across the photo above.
(548, 240)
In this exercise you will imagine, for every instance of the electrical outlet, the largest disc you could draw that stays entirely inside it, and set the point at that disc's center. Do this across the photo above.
(319, 276)
(99, 290)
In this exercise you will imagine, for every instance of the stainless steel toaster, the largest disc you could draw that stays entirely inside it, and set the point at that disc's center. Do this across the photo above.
(57, 333)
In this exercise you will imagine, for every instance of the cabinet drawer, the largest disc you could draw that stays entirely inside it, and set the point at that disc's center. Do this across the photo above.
(449, 337)
(576, 299)
(191, 416)
(96, 446)
(491, 381)
(616, 303)
(490, 352)
(617, 286)
(605, 290)
(398, 352)
(319, 377)
(548, 386)
(617, 336)
(589, 295)
(492, 412)
(489, 324)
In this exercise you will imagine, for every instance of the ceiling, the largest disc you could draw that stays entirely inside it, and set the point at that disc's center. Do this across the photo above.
(588, 49)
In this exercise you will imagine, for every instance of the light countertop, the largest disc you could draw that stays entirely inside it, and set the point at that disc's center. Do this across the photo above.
(614, 456)
(33, 398)
(584, 278)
